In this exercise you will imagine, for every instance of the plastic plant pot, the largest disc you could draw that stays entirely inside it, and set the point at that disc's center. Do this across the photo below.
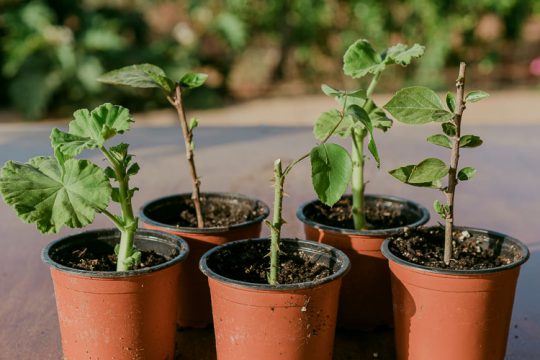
(450, 314)
(194, 307)
(286, 321)
(366, 300)
(117, 315)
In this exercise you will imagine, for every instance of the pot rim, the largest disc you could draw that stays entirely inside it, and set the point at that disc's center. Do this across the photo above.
(424, 217)
(340, 255)
(206, 230)
(385, 249)
(148, 235)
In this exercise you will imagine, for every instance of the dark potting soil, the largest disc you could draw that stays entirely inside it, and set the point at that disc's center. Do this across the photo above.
(251, 264)
(102, 258)
(217, 212)
(425, 246)
(380, 214)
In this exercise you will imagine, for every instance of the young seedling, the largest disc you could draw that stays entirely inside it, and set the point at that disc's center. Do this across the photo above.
(362, 115)
(331, 165)
(151, 76)
(58, 191)
(420, 105)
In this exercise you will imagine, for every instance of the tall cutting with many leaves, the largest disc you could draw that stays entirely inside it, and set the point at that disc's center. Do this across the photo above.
(420, 105)
(58, 191)
(151, 76)
(357, 120)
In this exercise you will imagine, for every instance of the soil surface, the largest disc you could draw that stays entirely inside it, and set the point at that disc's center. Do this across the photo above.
(217, 212)
(425, 246)
(380, 214)
(252, 263)
(99, 259)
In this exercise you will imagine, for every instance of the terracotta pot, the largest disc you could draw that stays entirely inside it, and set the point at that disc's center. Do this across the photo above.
(117, 315)
(264, 322)
(366, 300)
(447, 315)
(194, 307)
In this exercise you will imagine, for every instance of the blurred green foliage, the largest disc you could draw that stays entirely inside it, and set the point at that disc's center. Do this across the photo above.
(52, 51)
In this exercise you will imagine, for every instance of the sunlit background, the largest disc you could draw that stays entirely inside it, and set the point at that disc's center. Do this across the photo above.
(52, 51)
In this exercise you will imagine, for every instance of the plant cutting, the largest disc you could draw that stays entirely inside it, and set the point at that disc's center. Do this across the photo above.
(357, 224)
(204, 220)
(453, 287)
(277, 298)
(126, 280)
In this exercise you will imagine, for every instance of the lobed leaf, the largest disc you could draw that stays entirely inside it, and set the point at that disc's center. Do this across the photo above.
(43, 193)
(467, 173)
(476, 95)
(417, 105)
(403, 55)
(470, 141)
(440, 140)
(331, 169)
(138, 76)
(361, 59)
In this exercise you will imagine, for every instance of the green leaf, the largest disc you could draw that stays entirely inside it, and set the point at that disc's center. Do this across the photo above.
(133, 169)
(361, 59)
(138, 76)
(476, 95)
(193, 80)
(70, 145)
(440, 208)
(417, 105)
(328, 120)
(470, 141)
(402, 55)
(380, 120)
(427, 171)
(451, 102)
(41, 193)
(331, 169)
(361, 115)
(347, 98)
(120, 151)
(330, 91)
(164, 82)
(193, 123)
(133, 260)
(440, 140)
(449, 129)
(467, 173)
(92, 129)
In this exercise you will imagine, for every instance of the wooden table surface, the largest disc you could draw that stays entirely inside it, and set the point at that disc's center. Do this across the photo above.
(504, 196)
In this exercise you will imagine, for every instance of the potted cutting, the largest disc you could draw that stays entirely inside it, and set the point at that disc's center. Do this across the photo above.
(453, 287)
(204, 220)
(115, 288)
(277, 298)
(358, 223)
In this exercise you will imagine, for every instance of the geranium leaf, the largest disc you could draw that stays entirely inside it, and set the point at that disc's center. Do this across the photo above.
(361, 59)
(43, 193)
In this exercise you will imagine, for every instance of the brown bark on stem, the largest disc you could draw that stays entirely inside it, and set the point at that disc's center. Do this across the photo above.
(188, 141)
(454, 159)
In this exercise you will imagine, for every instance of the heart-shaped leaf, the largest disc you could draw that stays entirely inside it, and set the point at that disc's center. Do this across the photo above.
(331, 169)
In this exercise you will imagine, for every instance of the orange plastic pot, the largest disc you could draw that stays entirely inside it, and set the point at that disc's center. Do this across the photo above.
(194, 307)
(117, 315)
(366, 299)
(449, 315)
(264, 322)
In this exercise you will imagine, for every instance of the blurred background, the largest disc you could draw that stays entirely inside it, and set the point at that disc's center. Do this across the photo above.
(52, 51)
